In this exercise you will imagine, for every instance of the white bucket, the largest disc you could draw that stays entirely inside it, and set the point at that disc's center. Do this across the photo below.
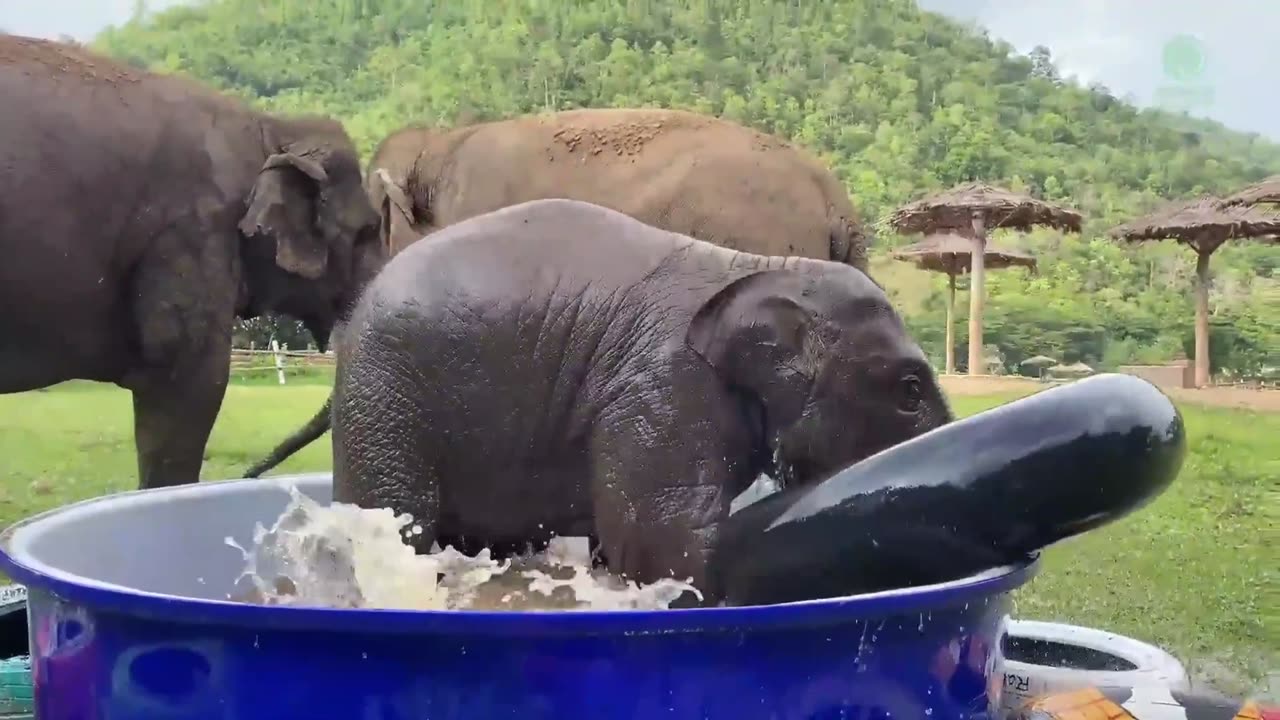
(1043, 658)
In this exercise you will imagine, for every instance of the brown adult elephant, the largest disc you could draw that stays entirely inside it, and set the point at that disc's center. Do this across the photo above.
(697, 175)
(140, 214)
(693, 174)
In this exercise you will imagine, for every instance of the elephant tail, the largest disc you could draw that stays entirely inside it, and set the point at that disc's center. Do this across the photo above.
(315, 427)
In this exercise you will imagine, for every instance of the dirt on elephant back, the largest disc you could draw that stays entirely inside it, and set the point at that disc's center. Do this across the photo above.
(620, 139)
(64, 59)
(1267, 400)
(627, 132)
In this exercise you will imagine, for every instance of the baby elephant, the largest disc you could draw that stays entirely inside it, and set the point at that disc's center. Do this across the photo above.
(558, 368)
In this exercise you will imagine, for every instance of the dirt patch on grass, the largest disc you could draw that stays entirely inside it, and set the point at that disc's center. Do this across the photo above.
(990, 385)
(1229, 397)
(1239, 398)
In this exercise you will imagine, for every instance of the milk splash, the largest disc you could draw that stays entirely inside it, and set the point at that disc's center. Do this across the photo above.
(345, 556)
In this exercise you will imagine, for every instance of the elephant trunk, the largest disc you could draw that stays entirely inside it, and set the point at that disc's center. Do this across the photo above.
(315, 427)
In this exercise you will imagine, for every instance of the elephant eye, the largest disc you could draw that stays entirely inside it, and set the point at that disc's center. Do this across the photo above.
(911, 394)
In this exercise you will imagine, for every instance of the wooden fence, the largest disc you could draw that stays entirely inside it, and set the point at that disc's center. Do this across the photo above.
(278, 359)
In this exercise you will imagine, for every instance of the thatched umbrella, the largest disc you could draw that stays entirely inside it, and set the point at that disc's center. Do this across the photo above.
(1203, 225)
(952, 255)
(1040, 362)
(1263, 192)
(972, 210)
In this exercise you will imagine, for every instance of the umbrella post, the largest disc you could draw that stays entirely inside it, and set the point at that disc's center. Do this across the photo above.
(1202, 318)
(951, 323)
(977, 274)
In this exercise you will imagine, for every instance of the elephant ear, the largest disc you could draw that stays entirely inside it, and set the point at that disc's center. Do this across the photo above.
(760, 334)
(282, 206)
(396, 212)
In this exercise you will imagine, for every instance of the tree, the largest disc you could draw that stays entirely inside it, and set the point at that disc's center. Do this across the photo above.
(1042, 64)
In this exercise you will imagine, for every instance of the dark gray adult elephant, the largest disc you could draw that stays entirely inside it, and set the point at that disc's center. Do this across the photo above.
(693, 174)
(558, 368)
(141, 214)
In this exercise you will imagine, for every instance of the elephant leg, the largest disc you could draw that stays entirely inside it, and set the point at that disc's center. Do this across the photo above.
(173, 414)
(383, 451)
(659, 495)
(182, 310)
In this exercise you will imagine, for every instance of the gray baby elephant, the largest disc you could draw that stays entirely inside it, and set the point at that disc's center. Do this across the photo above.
(558, 368)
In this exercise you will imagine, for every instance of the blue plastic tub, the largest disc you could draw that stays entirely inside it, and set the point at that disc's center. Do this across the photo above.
(129, 620)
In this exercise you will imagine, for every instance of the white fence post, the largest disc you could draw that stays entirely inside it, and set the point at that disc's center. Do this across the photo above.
(275, 348)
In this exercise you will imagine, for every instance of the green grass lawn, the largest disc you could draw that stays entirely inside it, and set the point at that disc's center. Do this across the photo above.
(1187, 572)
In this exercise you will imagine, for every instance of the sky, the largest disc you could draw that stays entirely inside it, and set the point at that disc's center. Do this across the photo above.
(1122, 43)
(81, 19)
(1218, 49)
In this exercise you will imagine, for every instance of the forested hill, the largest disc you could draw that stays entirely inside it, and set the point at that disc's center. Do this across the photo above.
(896, 100)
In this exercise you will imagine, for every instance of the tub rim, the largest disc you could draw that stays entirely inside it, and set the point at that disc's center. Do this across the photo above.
(16, 561)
